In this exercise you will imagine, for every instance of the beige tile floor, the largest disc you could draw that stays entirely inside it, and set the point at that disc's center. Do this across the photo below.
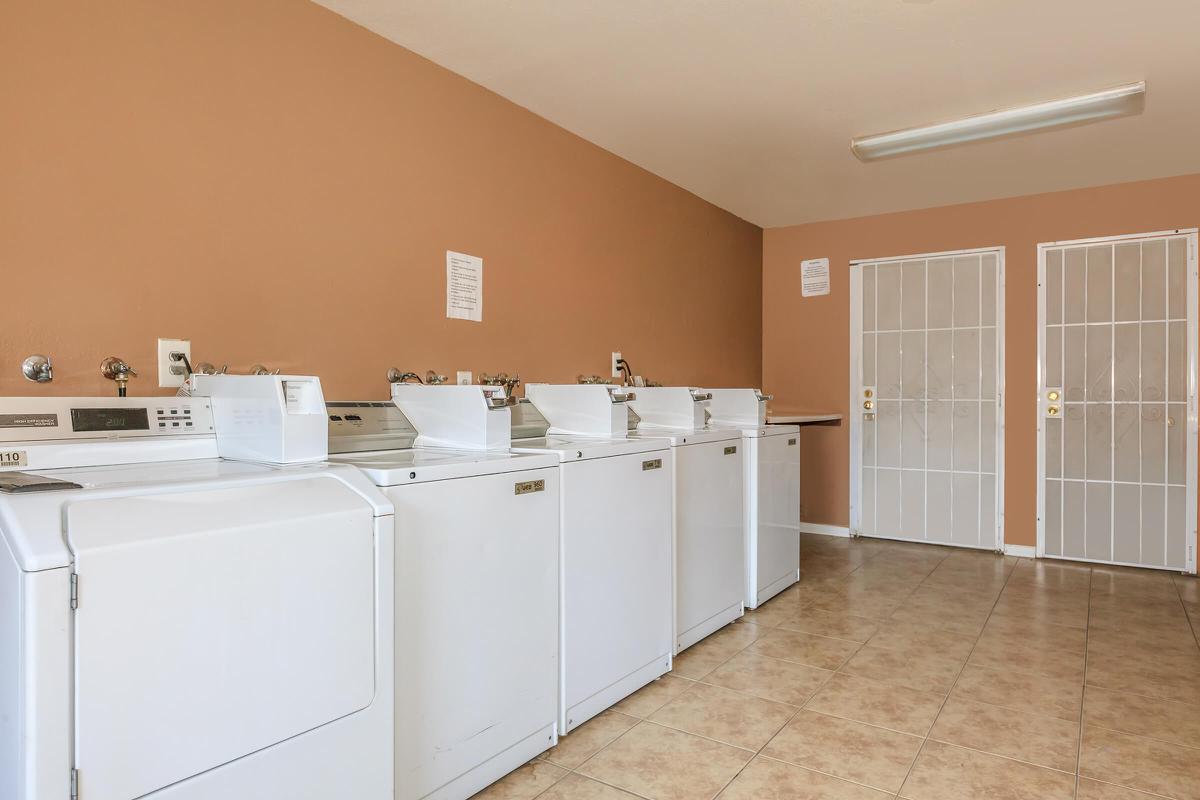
(900, 670)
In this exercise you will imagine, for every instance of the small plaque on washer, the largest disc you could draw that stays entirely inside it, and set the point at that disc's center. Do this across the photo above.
(14, 458)
(21, 482)
(528, 487)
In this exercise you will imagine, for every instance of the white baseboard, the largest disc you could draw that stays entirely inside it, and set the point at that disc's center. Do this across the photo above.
(824, 530)
(1020, 550)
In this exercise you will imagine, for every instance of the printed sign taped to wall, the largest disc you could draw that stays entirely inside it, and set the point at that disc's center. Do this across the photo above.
(814, 277)
(464, 287)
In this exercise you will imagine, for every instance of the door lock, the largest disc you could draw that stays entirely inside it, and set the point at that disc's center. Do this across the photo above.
(1053, 402)
(868, 393)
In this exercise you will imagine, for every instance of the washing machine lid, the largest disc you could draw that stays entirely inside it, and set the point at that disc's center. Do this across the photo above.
(685, 436)
(31, 524)
(582, 448)
(215, 619)
(422, 464)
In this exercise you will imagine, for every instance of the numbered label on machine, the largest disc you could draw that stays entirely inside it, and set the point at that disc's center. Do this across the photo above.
(14, 458)
(529, 487)
(654, 463)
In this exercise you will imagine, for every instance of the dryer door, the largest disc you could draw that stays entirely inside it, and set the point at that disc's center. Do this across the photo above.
(216, 622)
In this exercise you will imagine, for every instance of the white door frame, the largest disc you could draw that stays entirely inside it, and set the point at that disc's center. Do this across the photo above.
(856, 365)
(1190, 508)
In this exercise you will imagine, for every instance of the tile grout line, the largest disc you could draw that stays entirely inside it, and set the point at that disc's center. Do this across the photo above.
(1193, 624)
(867, 560)
(1087, 656)
(647, 719)
(788, 721)
(804, 705)
(1126, 788)
(925, 739)
(758, 753)
(700, 681)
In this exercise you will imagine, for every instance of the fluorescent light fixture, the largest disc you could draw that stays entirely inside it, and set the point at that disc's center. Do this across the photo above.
(1106, 104)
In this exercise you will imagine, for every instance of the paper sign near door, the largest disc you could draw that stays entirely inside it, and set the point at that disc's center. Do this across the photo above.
(814, 277)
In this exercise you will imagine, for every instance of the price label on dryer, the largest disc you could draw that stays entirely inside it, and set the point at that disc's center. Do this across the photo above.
(14, 458)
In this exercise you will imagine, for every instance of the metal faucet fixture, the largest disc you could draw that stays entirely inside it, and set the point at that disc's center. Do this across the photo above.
(396, 376)
(117, 370)
(626, 371)
(501, 379)
(206, 368)
(38, 369)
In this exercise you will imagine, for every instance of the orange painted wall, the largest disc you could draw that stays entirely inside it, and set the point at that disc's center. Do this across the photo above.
(806, 346)
(280, 186)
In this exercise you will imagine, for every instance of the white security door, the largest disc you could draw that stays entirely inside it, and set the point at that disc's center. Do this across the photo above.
(1117, 400)
(927, 398)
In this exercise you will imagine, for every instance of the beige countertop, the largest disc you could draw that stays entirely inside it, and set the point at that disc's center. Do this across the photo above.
(802, 418)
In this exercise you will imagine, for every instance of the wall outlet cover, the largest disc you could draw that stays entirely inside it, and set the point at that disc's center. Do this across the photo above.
(171, 374)
(616, 356)
(463, 378)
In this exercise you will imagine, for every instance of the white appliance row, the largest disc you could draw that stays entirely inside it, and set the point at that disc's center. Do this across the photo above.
(204, 602)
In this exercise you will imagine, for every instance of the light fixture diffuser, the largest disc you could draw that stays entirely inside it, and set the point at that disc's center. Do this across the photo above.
(1115, 102)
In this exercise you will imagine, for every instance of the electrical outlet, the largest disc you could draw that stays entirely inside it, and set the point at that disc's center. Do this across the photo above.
(172, 373)
(616, 371)
(463, 378)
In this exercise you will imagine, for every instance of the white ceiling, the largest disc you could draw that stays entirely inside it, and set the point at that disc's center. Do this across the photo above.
(751, 104)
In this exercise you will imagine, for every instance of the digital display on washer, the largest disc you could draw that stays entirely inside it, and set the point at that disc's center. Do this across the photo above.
(89, 420)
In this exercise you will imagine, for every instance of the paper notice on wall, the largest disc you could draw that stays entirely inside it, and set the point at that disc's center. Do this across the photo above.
(814, 277)
(464, 287)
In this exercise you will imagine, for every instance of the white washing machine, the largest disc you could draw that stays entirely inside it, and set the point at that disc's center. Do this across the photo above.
(616, 594)
(476, 682)
(772, 502)
(181, 627)
(707, 476)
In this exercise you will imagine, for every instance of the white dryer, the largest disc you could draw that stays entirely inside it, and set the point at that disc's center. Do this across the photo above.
(772, 502)
(616, 592)
(476, 609)
(707, 476)
(177, 626)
